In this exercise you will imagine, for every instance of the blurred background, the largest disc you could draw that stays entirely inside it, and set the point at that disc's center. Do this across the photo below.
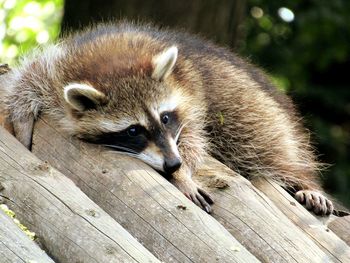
(304, 46)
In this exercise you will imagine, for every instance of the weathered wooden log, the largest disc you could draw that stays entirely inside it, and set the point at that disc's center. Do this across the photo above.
(143, 202)
(15, 246)
(71, 227)
(260, 226)
(247, 213)
(341, 227)
(307, 222)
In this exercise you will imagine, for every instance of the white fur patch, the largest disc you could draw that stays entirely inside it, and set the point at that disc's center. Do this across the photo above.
(170, 104)
(164, 63)
(174, 148)
(111, 126)
(155, 113)
(152, 156)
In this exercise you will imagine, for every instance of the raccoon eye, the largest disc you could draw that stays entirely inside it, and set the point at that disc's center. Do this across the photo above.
(133, 131)
(165, 118)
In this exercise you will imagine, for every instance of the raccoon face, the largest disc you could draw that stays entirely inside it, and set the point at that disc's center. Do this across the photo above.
(141, 123)
(154, 140)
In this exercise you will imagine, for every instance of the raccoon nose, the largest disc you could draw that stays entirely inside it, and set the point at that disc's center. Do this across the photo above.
(172, 165)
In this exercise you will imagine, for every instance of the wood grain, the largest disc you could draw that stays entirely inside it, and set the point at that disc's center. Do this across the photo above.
(260, 225)
(315, 228)
(70, 226)
(341, 227)
(15, 246)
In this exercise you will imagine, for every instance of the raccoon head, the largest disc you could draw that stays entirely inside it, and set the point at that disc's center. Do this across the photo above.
(136, 115)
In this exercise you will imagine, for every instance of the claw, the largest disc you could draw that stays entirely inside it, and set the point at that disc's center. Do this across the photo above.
(330, 207)
(204, 203)
(206, 196)
(188, 196)
(195, 200)
(198, 196)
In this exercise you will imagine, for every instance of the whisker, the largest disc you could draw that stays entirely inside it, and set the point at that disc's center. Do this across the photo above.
(125, 153)
(117, 147)
(179, 130)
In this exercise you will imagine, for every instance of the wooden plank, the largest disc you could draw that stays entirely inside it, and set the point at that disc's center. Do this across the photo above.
(70, 226)
(15, 246)
(257, 223)
(341, 227)
(307, 222)
(148, 206)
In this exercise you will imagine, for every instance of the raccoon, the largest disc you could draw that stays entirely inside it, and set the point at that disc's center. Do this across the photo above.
(167, 98)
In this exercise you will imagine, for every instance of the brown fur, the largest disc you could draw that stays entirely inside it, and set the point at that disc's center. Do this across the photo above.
(229, 107)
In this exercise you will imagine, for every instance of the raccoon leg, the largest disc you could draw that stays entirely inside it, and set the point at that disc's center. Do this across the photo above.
(23, 129)
(183, 181)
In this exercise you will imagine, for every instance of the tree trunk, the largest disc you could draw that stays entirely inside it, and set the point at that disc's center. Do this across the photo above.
(219, 20)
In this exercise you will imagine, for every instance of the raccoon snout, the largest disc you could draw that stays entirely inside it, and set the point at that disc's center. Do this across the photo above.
(172, 165)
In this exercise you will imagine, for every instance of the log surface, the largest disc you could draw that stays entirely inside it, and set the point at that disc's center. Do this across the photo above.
(160, 218)
(70, 226)
(314, 228)
(261, 226)
(15, 246)
(341, 226)
(149, 207)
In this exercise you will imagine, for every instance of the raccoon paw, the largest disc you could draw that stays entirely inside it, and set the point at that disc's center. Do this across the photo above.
(202, 199)
(315, 202)
(196, 195)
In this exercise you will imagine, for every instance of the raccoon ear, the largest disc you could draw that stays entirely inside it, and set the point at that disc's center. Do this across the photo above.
(83, 97)
(163, 63)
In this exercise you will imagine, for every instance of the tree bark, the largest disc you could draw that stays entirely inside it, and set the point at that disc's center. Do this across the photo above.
(15, 246)
(70, 226)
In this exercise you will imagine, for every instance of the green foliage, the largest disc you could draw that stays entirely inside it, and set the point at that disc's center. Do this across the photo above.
(309, 57)
(25, 24)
